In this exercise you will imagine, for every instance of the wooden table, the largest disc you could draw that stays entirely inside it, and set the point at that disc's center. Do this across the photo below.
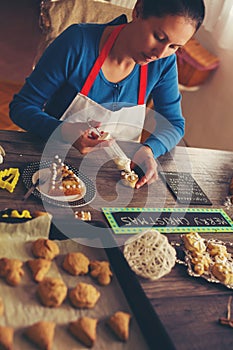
(189, 308)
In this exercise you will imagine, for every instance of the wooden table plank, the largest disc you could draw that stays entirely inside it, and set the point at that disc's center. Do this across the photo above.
(188, 307)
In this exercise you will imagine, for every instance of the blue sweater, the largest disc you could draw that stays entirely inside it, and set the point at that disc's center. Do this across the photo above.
(62, 71)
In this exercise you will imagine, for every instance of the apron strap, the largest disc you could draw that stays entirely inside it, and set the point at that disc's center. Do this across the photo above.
(142, 84)
(100, 60)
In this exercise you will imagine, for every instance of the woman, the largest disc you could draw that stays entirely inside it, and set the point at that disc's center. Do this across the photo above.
(113, 68)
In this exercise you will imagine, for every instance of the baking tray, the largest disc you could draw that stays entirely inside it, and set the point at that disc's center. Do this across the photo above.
(149, 323)
(151, 328)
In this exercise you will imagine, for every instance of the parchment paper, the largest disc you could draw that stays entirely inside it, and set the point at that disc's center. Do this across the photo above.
(23, 308)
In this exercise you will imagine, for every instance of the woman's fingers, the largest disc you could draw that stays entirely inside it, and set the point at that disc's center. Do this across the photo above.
(86, 143)
(147, 162)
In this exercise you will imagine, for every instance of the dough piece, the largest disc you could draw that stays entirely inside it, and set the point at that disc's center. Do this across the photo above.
(84, 329)
(101, 271)
(63, 180)
(129, 179)
(45, 248)
(194, 242)
(1, 307)
(223, 273)
(38, 213)
(6, 338)
(84, 295)
(76, 264)
(41, 334)
(11, 270)
(39, 268)
(119, 323)
(52, 291)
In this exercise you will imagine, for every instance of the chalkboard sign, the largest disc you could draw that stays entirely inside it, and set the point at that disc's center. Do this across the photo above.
(167, 220)
(184, 188)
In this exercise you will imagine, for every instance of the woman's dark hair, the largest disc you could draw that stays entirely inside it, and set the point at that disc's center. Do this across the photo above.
(193, 10)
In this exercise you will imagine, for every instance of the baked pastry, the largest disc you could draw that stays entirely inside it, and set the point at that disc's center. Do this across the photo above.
(129, 179)
(194, 242)
(83, 215)
(39, 268)
(223, 273)
(84, 295)
(217, 249)
(201, 262)
(84, 329)
(63, 180)
(41, 334)
(101, 271)
(52, 291)
(6, 338)
(45, 248)
(76, 264)
(11, 270)
(119, 323)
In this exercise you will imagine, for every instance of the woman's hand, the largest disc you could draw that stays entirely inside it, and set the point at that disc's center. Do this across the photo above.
(82, 137)
(144, 158)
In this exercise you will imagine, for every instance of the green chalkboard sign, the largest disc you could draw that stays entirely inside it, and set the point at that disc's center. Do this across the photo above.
(167, 220)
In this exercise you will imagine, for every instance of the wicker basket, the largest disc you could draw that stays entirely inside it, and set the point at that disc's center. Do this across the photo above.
(195, 64)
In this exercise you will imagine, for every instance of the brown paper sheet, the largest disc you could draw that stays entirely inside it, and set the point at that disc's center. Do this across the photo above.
(22, 307)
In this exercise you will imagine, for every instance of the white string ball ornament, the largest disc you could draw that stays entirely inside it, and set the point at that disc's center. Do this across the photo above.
(150, 254)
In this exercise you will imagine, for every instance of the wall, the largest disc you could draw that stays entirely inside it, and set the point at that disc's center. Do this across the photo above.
(209, 110)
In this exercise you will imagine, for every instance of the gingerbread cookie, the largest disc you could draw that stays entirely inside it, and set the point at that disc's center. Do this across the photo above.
(52, 291)
(194, 242)
(129, 179)
(84, 295)
(84, 329)
(101, 271)
(45, 248)
(223, 273)
(217, 249)
(63, 180)
(41, 334)
(11, 270)
(76, 264)
(201, 262)
(39, 268)
(6, 338)
(119, 323)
